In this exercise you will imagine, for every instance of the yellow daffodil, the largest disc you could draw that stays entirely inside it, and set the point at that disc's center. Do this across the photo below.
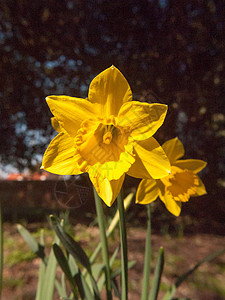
(182, 183)
(107, 135)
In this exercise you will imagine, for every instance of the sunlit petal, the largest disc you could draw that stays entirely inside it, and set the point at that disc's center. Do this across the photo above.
(106, 189)
(110, 89)
(71, 112)
(151, 160)
(147, 191)
(174, 149)
(60, 158)
(142, 119)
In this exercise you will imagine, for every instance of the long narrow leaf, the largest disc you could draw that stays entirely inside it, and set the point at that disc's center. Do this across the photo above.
(41, 274)
(157, 275)
(146, 272)
(70, 244)
(49, 284)
(75, 250)
(81, 282)
(118, 271)
(102, 278)
(184, 276)
(62, 261)
(37, 248)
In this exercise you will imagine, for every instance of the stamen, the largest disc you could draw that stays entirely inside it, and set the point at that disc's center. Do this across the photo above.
(107, 138)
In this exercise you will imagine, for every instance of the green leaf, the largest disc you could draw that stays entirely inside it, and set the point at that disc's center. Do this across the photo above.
(49, 283)
(97, 269)
(75, 250)
(73, 265)
(157, 275)
(70, 244)
(184, 276)
(41, 274)
(37, 248)
(87, 291)
(111, 261)
(116, 288)
(62, 261)
(118, 271)
(146, 272)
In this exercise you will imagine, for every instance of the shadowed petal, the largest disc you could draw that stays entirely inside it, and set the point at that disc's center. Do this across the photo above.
(200, 189)
(173, 206)
(56, 125)
(195, 165)
(147, 191)
(174, 149)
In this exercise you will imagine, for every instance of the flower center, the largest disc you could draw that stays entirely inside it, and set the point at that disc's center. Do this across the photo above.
(108, 132)
(180, 184)
(99, 141)
(107, 138)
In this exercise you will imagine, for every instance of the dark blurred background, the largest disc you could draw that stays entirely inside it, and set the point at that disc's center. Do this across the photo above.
(171, 52)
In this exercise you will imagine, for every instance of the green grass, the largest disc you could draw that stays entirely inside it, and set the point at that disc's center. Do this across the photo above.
(13, 282)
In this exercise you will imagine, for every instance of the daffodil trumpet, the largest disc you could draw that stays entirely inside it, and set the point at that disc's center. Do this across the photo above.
(107, 135)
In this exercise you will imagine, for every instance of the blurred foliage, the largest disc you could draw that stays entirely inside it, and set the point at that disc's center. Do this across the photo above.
(168, 50)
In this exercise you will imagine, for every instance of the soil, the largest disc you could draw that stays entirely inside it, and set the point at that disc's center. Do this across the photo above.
(181, 253)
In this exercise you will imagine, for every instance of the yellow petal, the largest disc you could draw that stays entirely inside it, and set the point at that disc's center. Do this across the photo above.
(147, 191)
(195, 165)
(113, 170)
(173, 206)
(110, 89)
(150, 161)
(107, 190)
(71, 112)
(59, 157)
(200, 189)
(142, 119)
(174, 149)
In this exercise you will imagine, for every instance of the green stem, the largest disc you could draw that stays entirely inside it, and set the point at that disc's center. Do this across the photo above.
(1, 250)
(123, 238)
(146, 272)
(104, 245)
(112, 226)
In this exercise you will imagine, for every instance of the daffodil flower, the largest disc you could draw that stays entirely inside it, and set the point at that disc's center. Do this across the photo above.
(182, 183)
(107, 135)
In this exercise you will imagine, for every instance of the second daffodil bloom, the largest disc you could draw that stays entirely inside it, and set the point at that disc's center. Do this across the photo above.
(107, 135)
(182, 183)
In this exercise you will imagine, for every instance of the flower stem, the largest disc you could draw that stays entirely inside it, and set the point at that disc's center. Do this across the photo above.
(104, 245)
(123, 238)
(146, 272)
